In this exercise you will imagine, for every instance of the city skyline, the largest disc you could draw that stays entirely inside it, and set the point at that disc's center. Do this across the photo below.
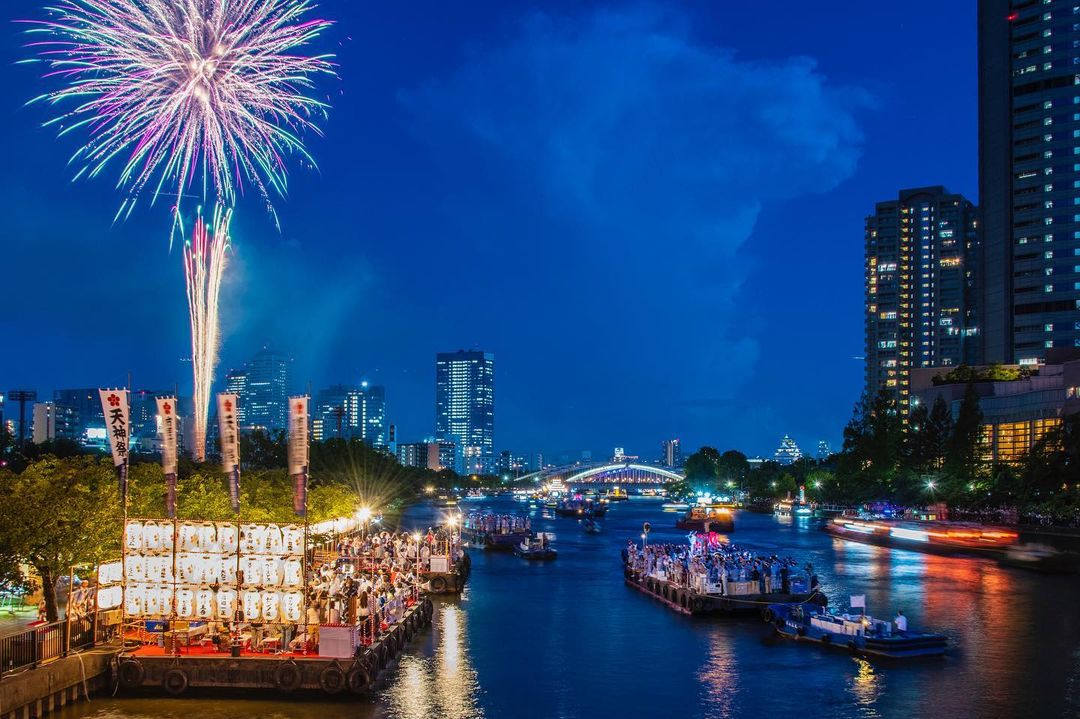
(556, 390)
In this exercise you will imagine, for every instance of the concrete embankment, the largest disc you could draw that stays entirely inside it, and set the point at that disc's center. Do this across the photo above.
(34, 692)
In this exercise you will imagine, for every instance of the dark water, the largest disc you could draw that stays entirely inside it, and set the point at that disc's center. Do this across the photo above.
(568, 639)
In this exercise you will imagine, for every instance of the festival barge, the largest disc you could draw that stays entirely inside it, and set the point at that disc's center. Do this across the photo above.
(860, 634)
(708, 519)
(933, 537)
(743, 598)
(354, 668)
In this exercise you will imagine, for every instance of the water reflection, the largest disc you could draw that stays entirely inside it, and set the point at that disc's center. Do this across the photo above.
(865, 687)
(441, 685)
(719, 676)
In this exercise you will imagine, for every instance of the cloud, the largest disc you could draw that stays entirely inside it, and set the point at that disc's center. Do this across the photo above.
(652, 155)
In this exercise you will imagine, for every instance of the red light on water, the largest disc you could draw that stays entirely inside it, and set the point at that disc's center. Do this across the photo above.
(1013, 16)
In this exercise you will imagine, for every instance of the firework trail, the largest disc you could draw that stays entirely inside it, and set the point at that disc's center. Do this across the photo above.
(204, 267)
(193, 95)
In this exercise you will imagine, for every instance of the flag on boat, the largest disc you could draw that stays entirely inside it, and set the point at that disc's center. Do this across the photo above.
(858, 600)
(298, 452)
(230, 445)
(166, 410)
(114, 405)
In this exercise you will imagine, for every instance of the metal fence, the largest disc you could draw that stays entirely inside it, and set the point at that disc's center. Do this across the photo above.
(45, 642)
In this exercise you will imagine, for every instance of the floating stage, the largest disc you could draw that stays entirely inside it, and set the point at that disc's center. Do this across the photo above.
(694, 603)
(150, 668)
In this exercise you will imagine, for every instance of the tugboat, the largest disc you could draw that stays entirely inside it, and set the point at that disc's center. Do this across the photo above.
(857, 633)
(535, 548)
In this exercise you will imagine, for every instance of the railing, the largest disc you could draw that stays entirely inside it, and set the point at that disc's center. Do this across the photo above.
(41, 644)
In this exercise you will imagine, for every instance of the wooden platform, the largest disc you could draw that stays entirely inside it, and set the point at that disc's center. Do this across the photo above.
(151, 669)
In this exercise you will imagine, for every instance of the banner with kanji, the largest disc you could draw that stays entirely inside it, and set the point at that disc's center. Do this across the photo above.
(114, 405)
(166, 412)
(230, 445)
(298, 452)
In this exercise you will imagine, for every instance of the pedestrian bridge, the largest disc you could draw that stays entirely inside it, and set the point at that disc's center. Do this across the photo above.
(607, 473)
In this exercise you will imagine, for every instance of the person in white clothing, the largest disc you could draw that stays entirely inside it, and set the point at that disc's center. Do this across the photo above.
(901, 622)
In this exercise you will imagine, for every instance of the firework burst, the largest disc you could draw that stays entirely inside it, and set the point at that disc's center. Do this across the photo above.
(191, 96)
(204, 266)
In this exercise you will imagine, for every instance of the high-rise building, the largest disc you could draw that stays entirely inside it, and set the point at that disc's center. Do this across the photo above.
(262, 386)
(671, 453)
(465, 406)
(87, 425)
(351, 412)
(426, 455)
(824, 451)
(788, 452)
(921, 261)
(1029, 172)
(50, 422)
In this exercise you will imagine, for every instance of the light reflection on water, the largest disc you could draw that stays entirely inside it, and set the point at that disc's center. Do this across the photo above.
(442, 685)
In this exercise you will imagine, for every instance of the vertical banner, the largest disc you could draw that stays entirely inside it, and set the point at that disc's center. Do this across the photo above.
(298, 452)
(230, 445)
(114, 404)
(166, 410)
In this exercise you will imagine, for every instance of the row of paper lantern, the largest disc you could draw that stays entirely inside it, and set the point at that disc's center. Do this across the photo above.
(143, 600)
(270, 539)
(110, 597)
(215, 569)
(110, 573)
(341, 525)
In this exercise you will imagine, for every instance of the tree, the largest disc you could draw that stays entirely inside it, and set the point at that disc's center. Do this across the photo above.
(59, 513)
(869, 463)
(732, 466)
(962, 454)
(701, 466)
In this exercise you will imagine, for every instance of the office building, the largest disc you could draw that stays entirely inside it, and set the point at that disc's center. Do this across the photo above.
(262, 386)
(465, 407)
(1029, 175)
(436, 456)
(50, 421)
(87, 425)
(921, 259)
(351, 412)
(671, 453)
(1017, 412)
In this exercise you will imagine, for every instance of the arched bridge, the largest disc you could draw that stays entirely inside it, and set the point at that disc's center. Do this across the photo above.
(607, 473)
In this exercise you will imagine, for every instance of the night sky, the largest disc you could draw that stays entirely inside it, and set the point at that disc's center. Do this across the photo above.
(651, 213)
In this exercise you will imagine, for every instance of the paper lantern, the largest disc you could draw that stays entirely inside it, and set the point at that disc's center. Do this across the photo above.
(133, 537)
(208, 539)
(136, 568)
(252, 567)
(110, 597)
(152, 537)
(189, 537)
(189, 568)
(111, 573)
(226, 535)
(252, 605)
(271, 604)
(292, 539)
(204, 603)
(291, 605)
(292, 573)
(185, 603)
(226, 603)
(272, 540)
(134, 600)
(271, 572)
(252, 538)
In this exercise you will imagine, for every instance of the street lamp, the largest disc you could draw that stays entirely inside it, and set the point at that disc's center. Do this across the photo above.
(930, 484)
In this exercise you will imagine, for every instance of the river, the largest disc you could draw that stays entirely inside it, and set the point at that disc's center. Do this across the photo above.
(568, 639)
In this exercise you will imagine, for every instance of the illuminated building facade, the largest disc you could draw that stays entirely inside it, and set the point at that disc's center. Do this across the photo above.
(788, 452)
(262, 386)
(465, 407)
(921, 274)
(87, 420)
(426, 455)
(671, 453)
(1016, 413)
(351, 412)
(1029, 175)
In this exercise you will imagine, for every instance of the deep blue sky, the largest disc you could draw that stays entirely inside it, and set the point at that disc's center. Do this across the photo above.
(651, 213)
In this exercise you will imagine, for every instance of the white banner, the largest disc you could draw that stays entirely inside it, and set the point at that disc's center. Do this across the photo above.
(858, 600)
(298, 435)
(166, 409)
(230, 434)
(114, 404)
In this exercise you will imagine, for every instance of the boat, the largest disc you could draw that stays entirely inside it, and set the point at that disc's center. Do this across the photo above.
(931, 536)
(1041, 558)
(590, 525)
(857, 633)
(580, 508)
(705, 519)
(535, 547)
(617, 494)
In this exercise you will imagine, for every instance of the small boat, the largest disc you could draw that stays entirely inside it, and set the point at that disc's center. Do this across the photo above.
(535, 548)
(857, 633)
(704, 519)
(617, 494)
(590, 525)
(1041, 558)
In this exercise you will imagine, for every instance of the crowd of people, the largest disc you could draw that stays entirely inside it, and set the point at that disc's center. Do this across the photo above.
(492, 523)
(710, 566)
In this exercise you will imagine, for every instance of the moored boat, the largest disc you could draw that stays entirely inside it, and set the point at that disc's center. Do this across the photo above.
(858, 633)
(536, 547)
